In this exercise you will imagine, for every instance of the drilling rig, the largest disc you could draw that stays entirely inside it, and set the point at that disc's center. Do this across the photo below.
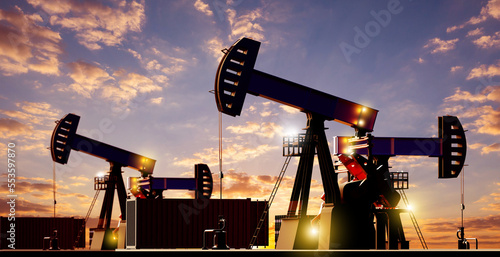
(347, 217)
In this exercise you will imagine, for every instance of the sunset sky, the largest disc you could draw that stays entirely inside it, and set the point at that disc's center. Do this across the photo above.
(146, 68)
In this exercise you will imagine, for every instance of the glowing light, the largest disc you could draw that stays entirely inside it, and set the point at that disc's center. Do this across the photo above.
(314, 231)
(101, 174)
(409, 207)
(361, 122)
(363, 109)
(291, 132)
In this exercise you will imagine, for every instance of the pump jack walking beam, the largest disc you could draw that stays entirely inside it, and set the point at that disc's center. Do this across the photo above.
(450, 147)
(236, 77)
(64, 139)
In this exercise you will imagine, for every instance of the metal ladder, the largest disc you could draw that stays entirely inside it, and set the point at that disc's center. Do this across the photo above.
(414, 220)
(82, 228)
(269, 202)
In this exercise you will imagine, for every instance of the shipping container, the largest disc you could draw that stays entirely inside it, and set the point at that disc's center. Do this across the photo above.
(29, 232)
(180, 223)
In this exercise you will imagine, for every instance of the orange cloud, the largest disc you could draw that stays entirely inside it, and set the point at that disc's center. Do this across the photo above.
(465, 96)
(131, 84)
(35, 198)
(214, 47)
(30, 125)
(488, 41)
(441, 46)
(94, 23)
(475, 32)
(486, 117)
(488, 122)
(441, 233)
(264, 129)
(484, 71)
(289, 109)
(87, 77)
(10, 128)
(203, 8)
(231, 154)
(456, 68)
(245, 24)
(25, 208)
(27, 46)
(121, 86)
(33, 113)
(492, 9)
(491, 201)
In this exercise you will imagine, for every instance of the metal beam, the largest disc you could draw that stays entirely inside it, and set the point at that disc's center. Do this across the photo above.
(64, 139)
(391, 146)
(113, 154)
(236, 77)
(450, 147)
(310, 100)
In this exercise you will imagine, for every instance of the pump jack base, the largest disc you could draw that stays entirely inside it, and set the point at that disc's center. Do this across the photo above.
(103, 240)
(288, 232)
(297, 233)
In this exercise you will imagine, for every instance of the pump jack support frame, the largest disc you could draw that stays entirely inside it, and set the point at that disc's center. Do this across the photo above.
(315, 140)
(115, 182)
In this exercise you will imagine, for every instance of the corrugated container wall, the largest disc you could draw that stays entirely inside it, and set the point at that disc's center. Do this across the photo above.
(179, 223)
(30, 231)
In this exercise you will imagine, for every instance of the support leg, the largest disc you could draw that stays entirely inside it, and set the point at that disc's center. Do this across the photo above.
(303, 171)
(328, 175)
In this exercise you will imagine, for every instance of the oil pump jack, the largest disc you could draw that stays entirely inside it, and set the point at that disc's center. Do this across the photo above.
(64, 139)
(450, 149)
(347, 217)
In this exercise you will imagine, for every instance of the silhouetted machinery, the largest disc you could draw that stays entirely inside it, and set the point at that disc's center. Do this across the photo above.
(148, 220)
(152, 188)
(450, 148)
(348, 214)
(64, 139)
